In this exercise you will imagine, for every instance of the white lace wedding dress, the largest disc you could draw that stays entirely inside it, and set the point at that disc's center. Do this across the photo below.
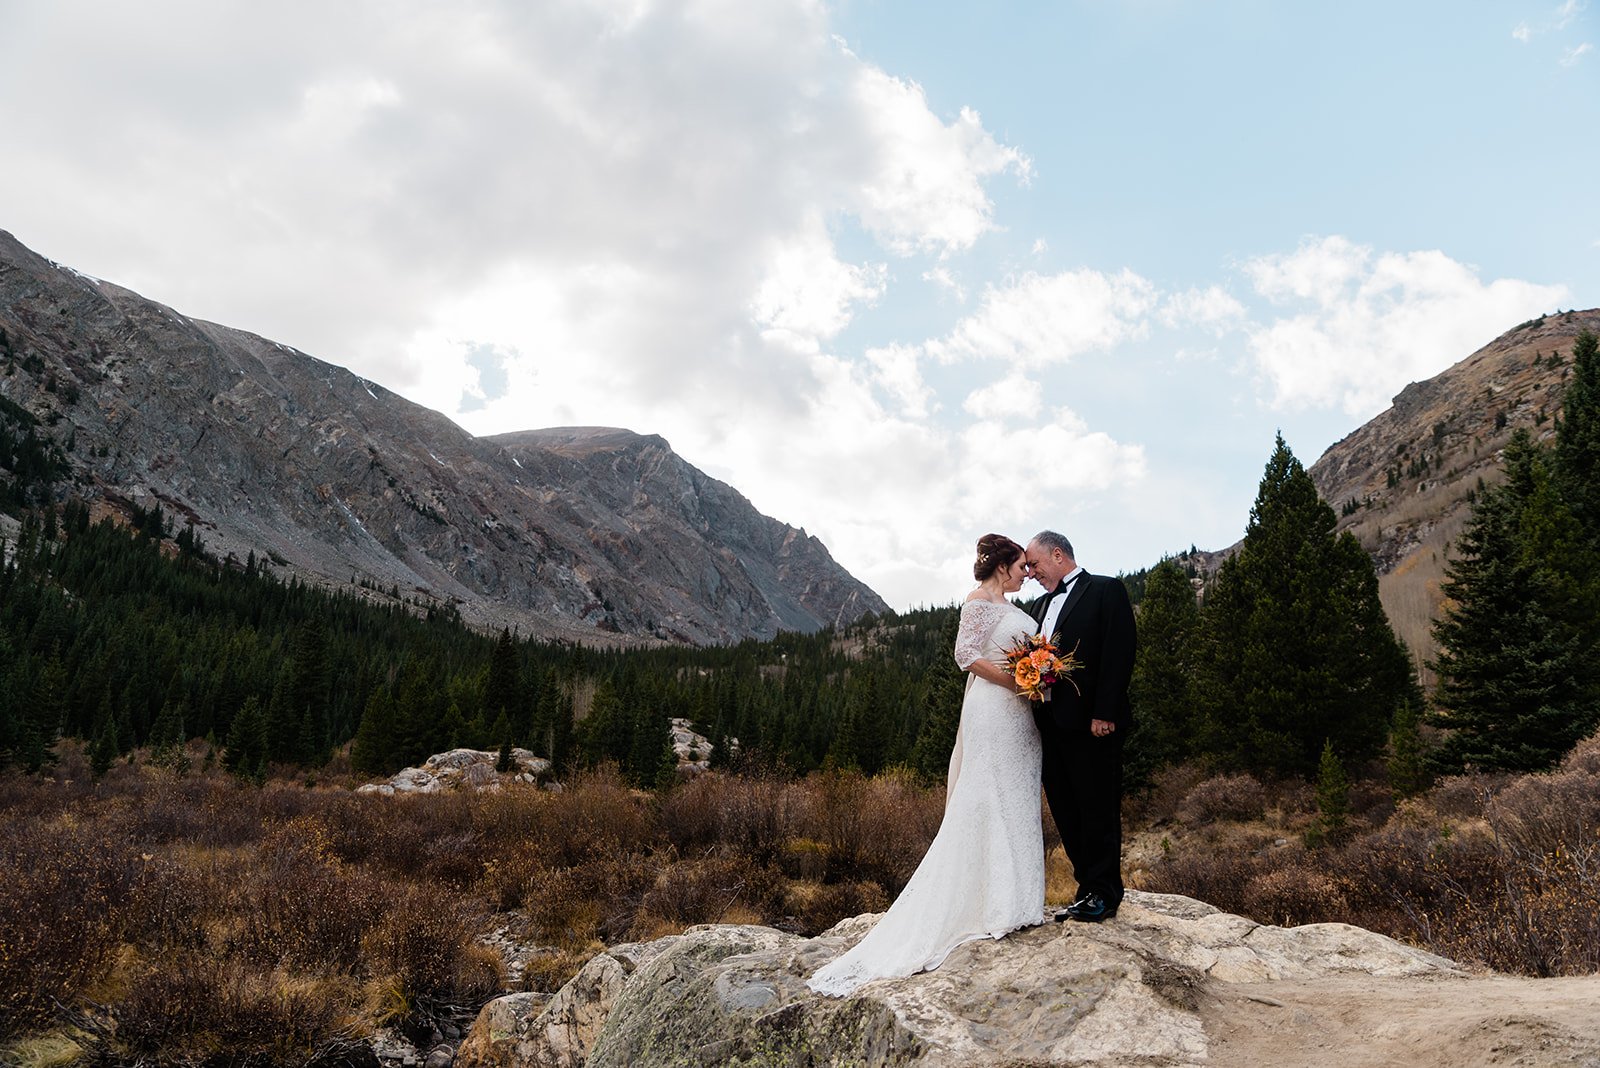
(983, 876)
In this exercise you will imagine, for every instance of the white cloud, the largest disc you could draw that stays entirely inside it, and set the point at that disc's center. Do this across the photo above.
(1361, 325)
(1001, 399)
(1035, 320)
(895, 372)
(942, 277)
(808, 294)
(1522, 33)
(923, 191)
(1213, 308)
(352, 191)
(1007, 466)
(1572, 55)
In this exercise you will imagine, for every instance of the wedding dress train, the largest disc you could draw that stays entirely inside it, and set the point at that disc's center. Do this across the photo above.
(983, 876)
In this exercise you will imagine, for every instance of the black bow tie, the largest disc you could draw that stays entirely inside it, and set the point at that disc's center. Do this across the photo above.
(1061, 587)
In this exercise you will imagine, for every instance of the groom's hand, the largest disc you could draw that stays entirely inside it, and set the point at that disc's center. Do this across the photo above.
(1101, 727)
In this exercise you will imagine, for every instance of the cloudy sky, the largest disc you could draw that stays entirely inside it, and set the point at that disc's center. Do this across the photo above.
(901, 271)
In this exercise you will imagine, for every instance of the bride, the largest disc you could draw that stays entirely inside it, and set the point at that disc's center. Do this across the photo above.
(983, 876)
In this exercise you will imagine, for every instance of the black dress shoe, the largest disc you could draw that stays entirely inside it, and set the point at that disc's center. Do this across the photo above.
(1091, 908)
(1061, 915)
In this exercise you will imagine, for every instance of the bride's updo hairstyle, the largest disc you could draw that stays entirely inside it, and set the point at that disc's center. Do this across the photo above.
(994, 552)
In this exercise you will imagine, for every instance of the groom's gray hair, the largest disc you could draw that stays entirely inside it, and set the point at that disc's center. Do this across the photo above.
(1051, 540)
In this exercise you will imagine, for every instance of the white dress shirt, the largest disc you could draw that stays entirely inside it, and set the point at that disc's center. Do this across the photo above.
(1053, 612)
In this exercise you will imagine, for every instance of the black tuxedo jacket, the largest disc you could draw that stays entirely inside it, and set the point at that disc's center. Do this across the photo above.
(1096, 622)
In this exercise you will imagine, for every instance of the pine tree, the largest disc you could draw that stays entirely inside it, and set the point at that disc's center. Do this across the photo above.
(104, 752)
(1162, 689)
(502, 689)
(308, 692)
(1333, 800)
(245, 753)
(1407, 764)
(1578, 438)
(167, 738)
(1518, 680)
(375, 745)
(454, 728)
(501, 733)
(283, 719)
(606, 732)
(1295, 647)
(944, 690)
(42, 723)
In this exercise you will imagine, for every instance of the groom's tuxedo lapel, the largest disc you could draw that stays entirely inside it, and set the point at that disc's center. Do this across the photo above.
(1079, 587)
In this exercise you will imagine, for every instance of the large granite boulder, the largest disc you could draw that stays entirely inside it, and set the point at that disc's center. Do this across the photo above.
(461, 769)
(1127, 992)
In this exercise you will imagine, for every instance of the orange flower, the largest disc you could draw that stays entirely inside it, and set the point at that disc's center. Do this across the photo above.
(1027, 674)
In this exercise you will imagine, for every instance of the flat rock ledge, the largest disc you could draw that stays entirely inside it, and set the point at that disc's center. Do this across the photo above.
(1126, 992)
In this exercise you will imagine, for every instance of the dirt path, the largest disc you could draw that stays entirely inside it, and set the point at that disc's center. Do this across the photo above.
(1361, 1022)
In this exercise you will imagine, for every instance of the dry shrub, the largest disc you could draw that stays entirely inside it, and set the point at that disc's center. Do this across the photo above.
(509, 875)
(61, 899)
(829, 904)
(297, 905)
(754, 817)
(1462, 797)
(1217, 877)
(689, 893)
(1168, 787)
(1293, 895)
(1541, 815)
(424, 943)
(170, 901)
(804, 858)
(557, 908)
(549, 971)
(874, 829)
(1225, 797)
(193, 1007)
(598, 899)
(598, 816)
(1584, 758)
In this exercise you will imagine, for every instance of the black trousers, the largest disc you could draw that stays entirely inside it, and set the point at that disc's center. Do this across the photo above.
(1083, 785)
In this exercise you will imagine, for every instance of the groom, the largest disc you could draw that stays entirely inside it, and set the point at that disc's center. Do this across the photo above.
(1082, 729)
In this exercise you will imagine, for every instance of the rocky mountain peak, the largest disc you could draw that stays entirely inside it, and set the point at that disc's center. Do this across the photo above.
(589, 533)
(1403, 481)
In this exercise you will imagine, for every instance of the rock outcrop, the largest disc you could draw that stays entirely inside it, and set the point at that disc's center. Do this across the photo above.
(474, 769)
(458, 769)
(587, 533)
(1127, 992)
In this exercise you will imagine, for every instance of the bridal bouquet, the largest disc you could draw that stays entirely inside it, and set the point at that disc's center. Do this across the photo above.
(1037, 666)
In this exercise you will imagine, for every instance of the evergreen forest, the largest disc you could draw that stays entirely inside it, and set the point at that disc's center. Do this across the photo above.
(130, 634)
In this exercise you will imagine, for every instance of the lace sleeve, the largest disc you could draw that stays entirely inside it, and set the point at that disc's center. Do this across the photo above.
(977, 620)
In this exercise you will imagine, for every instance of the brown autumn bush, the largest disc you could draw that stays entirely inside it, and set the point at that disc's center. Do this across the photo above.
(705, 891)
(297, 905)
(830, 903)
(874, 829)
(1584, 758)
(59, 904)
(597, 816)
(1224, 797)
(196, 1008)
(423, 943)
(1295, 894)
(754, 817)
(1169, 785)
(1218, 877)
